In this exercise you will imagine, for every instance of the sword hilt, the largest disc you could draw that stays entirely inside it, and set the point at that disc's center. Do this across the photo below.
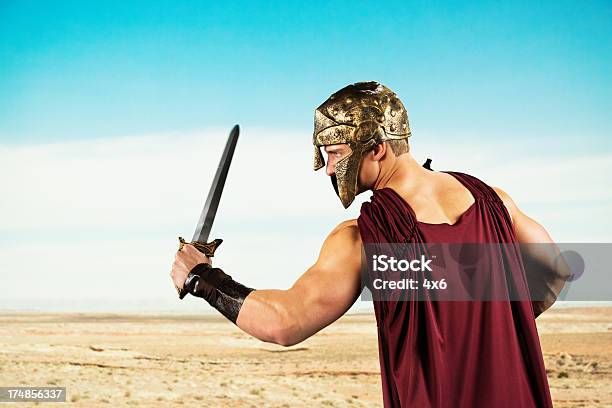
(207, 248)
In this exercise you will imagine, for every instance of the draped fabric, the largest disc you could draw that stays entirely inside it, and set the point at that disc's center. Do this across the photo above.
(455, 353)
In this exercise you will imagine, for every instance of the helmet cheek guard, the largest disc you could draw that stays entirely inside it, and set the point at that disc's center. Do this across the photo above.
(347, 173)
(319, 161)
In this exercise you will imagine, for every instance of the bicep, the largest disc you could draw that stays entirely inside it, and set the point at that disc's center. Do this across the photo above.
(329, 288)
(526, 229)
(545, 275)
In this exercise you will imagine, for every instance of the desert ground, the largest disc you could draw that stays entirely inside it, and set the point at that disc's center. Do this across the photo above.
(172, 361)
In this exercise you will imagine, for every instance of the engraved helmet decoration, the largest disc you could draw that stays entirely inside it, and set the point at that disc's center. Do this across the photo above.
(361, 115)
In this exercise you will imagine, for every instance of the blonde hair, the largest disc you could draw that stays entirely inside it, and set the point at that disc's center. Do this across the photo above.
(399, 147)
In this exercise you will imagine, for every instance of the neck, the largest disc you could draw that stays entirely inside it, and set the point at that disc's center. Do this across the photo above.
(402, 171)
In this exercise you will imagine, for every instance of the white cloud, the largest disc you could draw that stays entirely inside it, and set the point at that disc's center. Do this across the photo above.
(134, 182)
(99, 218)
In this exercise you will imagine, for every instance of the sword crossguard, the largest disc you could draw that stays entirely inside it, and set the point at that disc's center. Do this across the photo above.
(207, 248)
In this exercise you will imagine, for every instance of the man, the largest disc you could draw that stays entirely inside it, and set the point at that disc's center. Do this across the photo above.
(440, 354)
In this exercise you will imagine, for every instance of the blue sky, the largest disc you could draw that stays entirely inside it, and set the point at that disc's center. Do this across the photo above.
(75, 70)
(106, 109)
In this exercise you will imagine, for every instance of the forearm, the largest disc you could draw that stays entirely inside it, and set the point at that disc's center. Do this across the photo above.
(546, 272)
(218, 289)
(273, 316)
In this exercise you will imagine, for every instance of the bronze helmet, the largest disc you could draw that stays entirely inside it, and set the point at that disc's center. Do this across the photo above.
(362, 115)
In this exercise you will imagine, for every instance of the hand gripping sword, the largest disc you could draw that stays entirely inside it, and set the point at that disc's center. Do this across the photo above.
(202, 231)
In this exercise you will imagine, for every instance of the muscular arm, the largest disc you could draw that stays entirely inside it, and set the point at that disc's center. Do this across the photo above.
(545, 271)
(319, 297)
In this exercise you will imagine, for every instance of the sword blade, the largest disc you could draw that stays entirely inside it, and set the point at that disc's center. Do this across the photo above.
(209, 211)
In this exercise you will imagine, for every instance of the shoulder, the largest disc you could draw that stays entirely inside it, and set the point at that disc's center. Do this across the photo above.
(342, 246)
(348, 224)
(346, 233)
(346, 228)
(485, 190)
(508, 202)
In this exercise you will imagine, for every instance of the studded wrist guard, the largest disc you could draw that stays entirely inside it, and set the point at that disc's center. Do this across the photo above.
(218, 289)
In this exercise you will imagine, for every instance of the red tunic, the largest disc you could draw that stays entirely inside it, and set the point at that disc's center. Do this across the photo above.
(455, 353)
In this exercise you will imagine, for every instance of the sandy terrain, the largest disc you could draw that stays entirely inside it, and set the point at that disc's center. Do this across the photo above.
(171, 361)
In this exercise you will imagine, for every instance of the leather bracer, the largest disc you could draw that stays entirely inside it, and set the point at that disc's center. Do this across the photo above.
(218, 289)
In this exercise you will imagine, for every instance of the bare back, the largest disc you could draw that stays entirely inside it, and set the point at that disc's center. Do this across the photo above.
(441, 198)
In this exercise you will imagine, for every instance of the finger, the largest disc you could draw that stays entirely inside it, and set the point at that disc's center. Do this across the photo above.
(190, 249)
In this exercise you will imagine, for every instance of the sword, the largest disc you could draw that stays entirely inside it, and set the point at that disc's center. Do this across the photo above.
(202, 231)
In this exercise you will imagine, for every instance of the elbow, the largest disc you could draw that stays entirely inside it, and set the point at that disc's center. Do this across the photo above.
(286, 341)
(565, 276)
(286, 332)
(540, 307)
(274, 319)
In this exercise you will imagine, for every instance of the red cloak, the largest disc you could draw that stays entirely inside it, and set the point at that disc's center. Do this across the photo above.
(454, 353)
